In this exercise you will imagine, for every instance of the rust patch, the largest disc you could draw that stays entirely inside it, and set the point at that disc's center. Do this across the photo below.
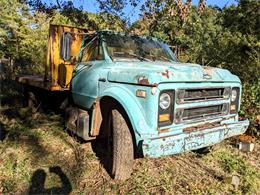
(55, 87)
(97, 119)
(208, 70)
(166, 74)
(163, 130)
(143, 81)
(247, 138)
(53, 32)
(72, 30)
(202, 127)
(73, 34)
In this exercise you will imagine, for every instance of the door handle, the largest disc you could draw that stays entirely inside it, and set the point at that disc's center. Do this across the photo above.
(102, 79)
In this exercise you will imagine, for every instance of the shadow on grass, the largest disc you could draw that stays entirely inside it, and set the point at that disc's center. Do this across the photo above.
(2, 132)
(11, 93)
(101, 149)
(11, 113)
(30, 131)
(38, 181)
(203, 151)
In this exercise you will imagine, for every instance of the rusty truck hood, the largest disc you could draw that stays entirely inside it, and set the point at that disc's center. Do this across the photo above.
(154, 73)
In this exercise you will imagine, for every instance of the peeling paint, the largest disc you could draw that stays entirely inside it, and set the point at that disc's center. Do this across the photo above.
(96, 119)
(153, 90)
(143, 81)
(201, 127)
(174, 144)
(166, 73)
(163, 130)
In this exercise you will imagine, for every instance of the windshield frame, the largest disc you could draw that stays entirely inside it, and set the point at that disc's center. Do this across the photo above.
(163, 45)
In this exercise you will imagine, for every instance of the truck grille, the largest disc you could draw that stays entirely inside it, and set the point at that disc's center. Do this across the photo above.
(204, 112)
(191, 95)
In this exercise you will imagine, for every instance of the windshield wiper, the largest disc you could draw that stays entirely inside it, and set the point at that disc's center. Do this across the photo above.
(134, 55)
(140, 57)
(155, 58)
(164, 58)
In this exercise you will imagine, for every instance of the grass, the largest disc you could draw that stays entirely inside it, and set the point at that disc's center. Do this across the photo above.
(36, 151)
(234, 164)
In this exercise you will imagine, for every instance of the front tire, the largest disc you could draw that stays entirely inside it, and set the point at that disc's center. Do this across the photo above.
(121, 147)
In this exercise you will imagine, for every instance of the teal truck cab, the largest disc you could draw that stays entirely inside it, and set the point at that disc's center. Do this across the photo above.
(133, 94)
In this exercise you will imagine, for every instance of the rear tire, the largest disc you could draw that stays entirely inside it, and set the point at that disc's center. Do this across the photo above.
(121, 147)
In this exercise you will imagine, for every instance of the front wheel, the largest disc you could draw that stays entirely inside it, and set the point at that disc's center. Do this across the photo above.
(121, 147)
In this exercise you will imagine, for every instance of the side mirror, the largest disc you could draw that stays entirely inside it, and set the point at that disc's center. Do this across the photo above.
(65, 46)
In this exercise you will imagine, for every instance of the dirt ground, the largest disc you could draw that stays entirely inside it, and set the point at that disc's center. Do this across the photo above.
(38, 156)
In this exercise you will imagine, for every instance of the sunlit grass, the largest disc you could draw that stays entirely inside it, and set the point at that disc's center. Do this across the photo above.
(38, 142)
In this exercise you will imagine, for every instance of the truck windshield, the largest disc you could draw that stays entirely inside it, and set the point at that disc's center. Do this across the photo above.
(125, 47)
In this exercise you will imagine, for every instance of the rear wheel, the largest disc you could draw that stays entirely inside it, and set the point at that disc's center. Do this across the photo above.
(120, 146)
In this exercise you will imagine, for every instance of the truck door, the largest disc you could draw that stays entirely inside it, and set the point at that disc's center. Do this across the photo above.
(86, 75)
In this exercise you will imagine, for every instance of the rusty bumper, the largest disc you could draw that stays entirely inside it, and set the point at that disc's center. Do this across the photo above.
(174, 144)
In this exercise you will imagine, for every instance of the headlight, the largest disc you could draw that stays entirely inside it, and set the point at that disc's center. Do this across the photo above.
(166, 108)
(234, 104)
(233, 95)
(165, 101)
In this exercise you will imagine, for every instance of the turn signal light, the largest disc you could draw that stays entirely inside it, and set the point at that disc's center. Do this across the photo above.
(164, 117)
(141, 93)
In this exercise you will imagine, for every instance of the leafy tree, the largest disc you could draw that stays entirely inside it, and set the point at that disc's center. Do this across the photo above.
(226, 38)
(20, 41)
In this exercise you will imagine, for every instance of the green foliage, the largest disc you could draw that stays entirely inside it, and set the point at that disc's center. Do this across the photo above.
(24, 33)
(236, 165)
(226, 38)
(23, 38)
(250, 106)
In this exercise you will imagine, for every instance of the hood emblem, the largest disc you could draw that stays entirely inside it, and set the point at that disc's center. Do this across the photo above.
(207, 76)
(207, 72)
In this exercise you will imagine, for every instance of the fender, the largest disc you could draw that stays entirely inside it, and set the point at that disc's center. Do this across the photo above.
(131, 106)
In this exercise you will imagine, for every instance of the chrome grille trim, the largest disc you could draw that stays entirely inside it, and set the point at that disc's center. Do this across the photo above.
(201, 113)
(202, 94)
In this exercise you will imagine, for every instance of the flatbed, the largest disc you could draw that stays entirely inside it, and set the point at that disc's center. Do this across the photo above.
(58, 70)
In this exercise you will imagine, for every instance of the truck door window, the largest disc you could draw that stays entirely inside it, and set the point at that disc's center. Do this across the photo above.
(92, 51)
(65, 46)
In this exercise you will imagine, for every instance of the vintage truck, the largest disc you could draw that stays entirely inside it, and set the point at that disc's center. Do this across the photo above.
(133, 94)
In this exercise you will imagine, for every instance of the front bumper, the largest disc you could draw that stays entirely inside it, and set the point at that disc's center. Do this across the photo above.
(186, 141)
